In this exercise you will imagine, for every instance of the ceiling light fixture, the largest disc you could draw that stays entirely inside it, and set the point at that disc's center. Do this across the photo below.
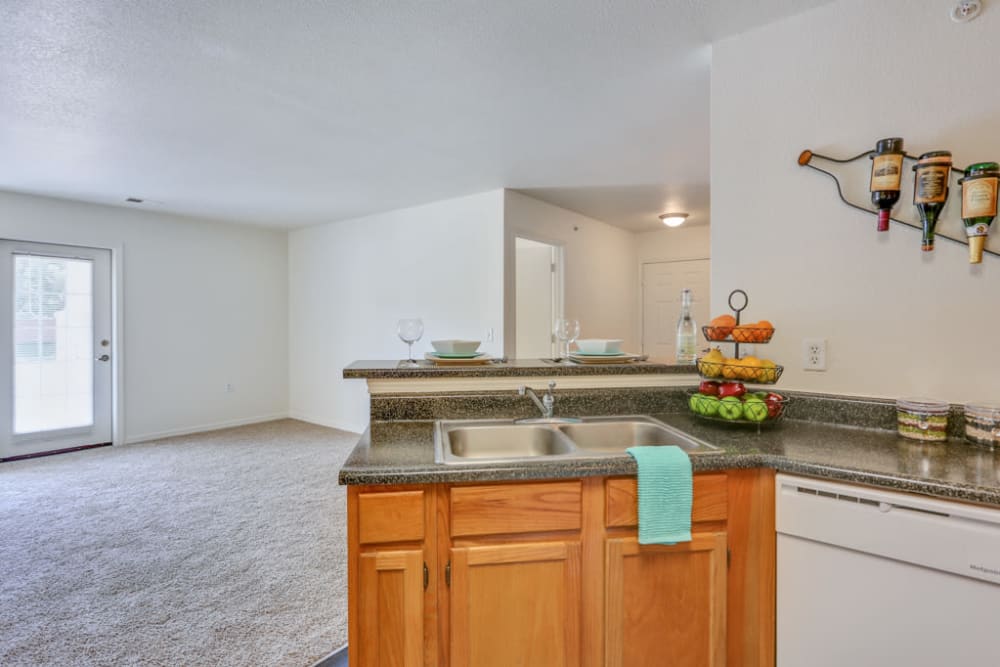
(134, 200)
(673, 219)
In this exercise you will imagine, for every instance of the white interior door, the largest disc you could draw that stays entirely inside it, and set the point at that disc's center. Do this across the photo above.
(662, 284)
(55, 348)
(538, 298)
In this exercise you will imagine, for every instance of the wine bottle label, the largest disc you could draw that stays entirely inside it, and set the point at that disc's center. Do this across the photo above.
(979, 198)
(978, 229)
(931, 185)
(887, 171)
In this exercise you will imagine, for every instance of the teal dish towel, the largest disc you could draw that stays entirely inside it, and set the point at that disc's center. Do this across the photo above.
(665, 494)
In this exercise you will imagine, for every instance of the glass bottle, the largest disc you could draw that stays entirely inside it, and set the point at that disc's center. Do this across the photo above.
(979, 204)
(931, 177)
(687, 352)
(887, 176)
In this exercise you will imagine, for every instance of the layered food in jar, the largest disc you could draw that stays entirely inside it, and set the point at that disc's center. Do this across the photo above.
(982, 424)
(922, 419)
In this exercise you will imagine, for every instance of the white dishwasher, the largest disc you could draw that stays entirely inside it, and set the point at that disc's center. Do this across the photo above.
(876, 578)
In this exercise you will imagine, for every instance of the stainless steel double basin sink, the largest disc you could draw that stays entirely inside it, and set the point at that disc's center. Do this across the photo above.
(507, 441)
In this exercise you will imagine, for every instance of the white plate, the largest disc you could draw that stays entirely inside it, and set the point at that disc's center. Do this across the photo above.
(443, 355)
(480, 359)
(624, 357)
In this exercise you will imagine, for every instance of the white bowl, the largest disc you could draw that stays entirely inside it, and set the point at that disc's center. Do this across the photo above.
(455, 346)
(600, 345)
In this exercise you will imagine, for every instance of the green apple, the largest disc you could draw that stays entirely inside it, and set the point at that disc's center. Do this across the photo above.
(755, 409)
(695, 403)
(730, 408)
(710, 405)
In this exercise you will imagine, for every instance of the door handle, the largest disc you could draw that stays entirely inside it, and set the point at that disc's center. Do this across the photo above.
(103, 357)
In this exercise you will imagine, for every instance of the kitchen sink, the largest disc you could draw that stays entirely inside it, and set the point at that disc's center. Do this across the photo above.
(507, 441)
(614, 436)
(494, 441)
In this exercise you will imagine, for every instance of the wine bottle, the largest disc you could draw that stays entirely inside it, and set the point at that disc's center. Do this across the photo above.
(979, 205)
(687, 342)
(931, 178)
(887, 175)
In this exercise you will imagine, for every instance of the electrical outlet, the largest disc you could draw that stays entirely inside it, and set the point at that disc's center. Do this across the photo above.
(814, 354)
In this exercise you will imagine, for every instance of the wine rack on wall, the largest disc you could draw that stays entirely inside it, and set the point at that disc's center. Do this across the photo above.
(853, 178)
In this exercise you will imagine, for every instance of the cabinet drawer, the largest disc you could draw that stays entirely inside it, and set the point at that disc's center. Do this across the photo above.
(395, 516)
(515, 508)
(621, 507)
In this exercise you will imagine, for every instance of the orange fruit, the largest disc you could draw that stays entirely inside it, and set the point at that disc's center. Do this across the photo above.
(744, 333)
(764, 331)
(721, 326)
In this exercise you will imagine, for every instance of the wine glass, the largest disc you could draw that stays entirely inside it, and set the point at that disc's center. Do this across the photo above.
(566, 330)
(410, 329)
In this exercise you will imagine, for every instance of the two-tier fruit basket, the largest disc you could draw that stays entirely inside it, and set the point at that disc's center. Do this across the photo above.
(723, 395)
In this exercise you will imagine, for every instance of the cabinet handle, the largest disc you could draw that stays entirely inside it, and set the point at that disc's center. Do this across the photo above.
(729, 557)
(427, 576)
(447, 573)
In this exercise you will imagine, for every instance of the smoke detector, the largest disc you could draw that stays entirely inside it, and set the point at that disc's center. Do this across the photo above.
(966, 10)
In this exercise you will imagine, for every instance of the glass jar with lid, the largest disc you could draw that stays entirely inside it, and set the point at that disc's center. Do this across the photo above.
(922, 419)
(982, 424)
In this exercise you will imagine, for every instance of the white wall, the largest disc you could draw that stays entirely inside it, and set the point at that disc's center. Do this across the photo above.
(601, 282)
(204, 305)
(835, 80)
(671, 245)
(350, 281)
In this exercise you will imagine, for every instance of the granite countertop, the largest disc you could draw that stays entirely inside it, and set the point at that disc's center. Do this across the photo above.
(392, 369)
(403, 453)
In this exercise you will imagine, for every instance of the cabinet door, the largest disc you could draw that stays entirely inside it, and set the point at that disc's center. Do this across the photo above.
(391, 608)
(516, 604)
(666, 605)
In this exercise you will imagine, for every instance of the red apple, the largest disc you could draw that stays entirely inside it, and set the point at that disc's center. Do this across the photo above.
(732, 389)
(775, 405)
(709, 388)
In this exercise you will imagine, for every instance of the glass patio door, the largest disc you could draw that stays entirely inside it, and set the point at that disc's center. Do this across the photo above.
(55, 348)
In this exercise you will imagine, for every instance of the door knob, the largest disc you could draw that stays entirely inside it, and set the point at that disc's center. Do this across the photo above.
(103, 357)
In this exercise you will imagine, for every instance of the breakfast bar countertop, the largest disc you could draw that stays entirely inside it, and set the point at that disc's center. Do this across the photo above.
(402, 452)
(397, 370)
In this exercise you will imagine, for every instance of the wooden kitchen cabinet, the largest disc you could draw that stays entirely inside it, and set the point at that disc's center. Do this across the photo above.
(515, 579)
(515, 604)
(390, 598)
(391, 550)
(665, 605)
(551, 573)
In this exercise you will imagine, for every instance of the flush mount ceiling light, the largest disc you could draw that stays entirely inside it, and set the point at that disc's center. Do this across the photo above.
(673, 219)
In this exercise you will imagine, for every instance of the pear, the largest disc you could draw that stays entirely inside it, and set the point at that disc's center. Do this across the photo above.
(710, 365)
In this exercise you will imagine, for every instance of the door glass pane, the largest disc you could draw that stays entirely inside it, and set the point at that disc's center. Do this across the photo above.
(53, 343)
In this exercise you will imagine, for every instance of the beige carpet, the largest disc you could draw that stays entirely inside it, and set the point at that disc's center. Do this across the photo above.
(222, 548)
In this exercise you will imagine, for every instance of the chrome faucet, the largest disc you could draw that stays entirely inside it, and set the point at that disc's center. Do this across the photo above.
(547, 404)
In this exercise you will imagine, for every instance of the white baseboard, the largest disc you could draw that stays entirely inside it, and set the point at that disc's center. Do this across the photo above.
(156, 435)
(329, 423)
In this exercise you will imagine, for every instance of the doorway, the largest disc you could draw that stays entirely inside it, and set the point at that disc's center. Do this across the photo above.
(538, 297)
(55, 351)
(662, 284)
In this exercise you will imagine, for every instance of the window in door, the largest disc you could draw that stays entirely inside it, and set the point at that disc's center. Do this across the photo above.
(56, 350)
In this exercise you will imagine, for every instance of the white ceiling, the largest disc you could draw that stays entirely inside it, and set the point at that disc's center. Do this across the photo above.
(294, 112)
